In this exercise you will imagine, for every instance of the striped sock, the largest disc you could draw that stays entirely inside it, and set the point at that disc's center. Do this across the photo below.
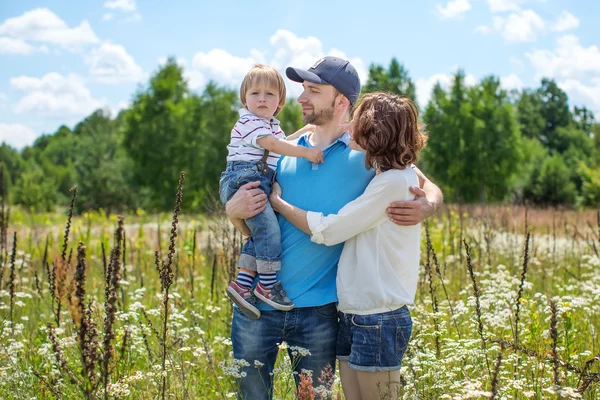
(267, 280)
(245, 278)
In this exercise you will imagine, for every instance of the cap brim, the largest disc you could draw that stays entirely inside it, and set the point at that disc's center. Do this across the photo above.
(301, 75)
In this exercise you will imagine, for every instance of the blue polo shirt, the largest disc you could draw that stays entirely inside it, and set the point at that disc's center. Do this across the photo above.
(308, 269)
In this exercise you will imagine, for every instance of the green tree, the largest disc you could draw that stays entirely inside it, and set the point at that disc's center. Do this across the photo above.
(35, 190)
(590, 191)
(219, 112)
(169, 129)
(584, 119)
(552, 184)
(473, 148)
(102, 165)
(394, 80)
(555, 111)
(291, 117)
(155, 134)
(13, 166)
(529, 114)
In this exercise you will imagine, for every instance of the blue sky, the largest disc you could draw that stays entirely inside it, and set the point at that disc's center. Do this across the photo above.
(60, 60)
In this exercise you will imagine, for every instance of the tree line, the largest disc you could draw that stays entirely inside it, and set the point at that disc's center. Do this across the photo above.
(486, 144)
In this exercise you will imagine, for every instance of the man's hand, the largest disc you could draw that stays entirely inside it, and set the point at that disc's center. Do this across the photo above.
(412, 212)
(246, 202)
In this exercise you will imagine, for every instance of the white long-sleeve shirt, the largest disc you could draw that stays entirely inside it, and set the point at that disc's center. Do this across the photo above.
(378, 268)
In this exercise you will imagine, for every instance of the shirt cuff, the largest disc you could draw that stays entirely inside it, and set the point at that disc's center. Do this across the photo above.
(316, 225)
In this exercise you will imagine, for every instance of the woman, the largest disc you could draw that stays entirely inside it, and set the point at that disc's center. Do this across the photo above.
(378, 268)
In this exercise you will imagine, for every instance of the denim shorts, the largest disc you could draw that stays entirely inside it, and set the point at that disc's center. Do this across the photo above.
(374, 342)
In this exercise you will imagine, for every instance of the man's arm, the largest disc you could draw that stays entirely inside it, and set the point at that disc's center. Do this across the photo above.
(245, 203)
(428, 199)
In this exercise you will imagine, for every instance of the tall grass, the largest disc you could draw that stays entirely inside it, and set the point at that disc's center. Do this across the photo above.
(500, 312)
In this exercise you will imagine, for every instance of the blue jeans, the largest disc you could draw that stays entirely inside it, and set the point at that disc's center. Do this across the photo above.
(262, 253)
(374, 342)
(311, 328)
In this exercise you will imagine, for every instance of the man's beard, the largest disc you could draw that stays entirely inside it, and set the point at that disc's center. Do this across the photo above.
(321, 118)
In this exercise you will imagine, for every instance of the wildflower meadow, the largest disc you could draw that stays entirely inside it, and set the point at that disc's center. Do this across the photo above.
(100, 306)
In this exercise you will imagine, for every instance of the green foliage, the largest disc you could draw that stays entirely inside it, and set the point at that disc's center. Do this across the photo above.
(291, 117)
(474, 141)
(393, 80)
(484, 145)
(169, 129)
(551, 183)
(102, 165)
(34, 190)
(13, 166)
(590, 190)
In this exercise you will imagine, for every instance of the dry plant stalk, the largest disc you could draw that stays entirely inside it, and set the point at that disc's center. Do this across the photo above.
(110, 307)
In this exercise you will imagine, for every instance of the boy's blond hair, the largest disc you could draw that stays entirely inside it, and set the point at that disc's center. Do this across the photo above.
(264, 74)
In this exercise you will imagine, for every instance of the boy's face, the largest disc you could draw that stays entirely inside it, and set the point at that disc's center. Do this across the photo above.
(262, 100)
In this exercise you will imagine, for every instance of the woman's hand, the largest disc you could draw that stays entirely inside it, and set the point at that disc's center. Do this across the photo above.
(275, 197)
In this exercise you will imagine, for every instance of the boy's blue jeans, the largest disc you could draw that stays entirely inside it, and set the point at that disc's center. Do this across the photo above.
(262, 253)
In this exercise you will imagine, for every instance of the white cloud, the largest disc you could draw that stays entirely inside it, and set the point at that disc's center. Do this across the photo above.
(10, 45)
(287, 49)
(521, 26)
(222, 66)
(17, 135)
(42, 25)
(453, 9)
(110, 63)
(122, 105)
(575, 68)
(570, 60)
(302, 52)
(511, 81)
(581, 94)
(123, 5)
(565, 21)
(424, 86)
(54, 95)
(496, 6)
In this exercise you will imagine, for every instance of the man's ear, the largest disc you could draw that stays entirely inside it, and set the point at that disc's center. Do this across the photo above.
(343, 102)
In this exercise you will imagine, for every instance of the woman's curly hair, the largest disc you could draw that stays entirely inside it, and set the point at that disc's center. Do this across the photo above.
(387, 127)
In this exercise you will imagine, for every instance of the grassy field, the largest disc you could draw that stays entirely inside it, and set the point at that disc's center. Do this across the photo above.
(98, 306)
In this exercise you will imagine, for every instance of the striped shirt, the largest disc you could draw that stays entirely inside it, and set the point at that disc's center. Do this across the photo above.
(243, 145)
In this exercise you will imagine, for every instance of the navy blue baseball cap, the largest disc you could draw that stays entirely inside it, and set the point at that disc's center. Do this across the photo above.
(333, 71)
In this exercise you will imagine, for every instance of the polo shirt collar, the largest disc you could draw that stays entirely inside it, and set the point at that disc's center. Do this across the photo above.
(345, 139)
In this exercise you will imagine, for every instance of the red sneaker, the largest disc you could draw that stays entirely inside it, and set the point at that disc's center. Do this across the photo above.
(244, 299)
(275, 297)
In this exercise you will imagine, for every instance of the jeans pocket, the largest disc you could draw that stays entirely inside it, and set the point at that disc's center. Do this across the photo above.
(402, 338)
(245, 175)
(372, 321)
(328, 311)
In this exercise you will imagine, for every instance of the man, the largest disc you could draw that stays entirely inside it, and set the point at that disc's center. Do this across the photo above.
(331, 88)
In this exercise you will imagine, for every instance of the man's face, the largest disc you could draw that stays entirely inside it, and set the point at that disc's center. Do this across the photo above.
(317, 102)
